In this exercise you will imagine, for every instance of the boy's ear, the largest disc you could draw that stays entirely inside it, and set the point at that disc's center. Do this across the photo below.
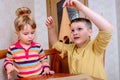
(90, 32)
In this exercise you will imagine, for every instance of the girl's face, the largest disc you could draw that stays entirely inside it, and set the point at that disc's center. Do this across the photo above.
(26, 36)
(80, 34)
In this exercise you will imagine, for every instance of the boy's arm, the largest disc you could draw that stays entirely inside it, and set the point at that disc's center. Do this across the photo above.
(51, 30)
(97, 19)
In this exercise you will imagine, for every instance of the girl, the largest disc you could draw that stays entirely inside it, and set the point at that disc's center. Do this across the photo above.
(26, 56)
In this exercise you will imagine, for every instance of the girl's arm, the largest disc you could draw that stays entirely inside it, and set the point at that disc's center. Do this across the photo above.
(8, 64)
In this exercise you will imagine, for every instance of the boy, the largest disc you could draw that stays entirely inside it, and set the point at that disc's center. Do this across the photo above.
(84, 55)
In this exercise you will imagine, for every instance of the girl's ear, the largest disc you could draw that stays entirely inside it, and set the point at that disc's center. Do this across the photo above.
(16, 33)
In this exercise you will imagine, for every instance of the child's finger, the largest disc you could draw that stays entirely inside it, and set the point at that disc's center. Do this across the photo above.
(52, 72)
(50, 19)
(65, 3)
(8, 76)
(9, 71)
(16, 69)
(43, 73)
(71, 3)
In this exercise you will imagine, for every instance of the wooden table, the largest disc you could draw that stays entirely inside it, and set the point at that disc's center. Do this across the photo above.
(60, 76)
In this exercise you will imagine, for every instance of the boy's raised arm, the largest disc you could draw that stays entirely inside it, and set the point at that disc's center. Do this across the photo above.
(51, 30)
(97, 19)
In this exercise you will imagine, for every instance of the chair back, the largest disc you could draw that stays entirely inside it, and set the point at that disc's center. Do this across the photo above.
(57, 64)
(3, 53)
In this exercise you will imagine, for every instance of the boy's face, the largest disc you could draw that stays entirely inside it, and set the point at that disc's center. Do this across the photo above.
(26, 35)
(80, 34)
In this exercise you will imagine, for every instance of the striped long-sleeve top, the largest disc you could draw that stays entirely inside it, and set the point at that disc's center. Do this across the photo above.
(29, 61)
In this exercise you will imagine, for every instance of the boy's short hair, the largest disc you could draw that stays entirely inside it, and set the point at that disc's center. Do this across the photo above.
(84, 20)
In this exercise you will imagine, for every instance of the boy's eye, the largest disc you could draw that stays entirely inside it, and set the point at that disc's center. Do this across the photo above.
(72, 30)
(79, 29)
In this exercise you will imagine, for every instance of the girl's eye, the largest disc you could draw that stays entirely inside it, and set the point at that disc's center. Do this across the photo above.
(32, 32)
(25, 33)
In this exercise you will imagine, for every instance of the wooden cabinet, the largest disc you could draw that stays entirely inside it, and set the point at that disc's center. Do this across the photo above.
(52, 10)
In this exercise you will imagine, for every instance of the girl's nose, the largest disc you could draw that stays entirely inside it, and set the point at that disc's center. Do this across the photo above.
(30, 35)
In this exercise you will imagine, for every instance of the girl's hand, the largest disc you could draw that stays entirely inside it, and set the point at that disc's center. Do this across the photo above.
(47, 71)
(10, 68)
(73, 4)
(49, 22)
(8, 76)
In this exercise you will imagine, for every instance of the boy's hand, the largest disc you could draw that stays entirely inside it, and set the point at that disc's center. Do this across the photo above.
(73, 4)
(49, 22)
(47, 71)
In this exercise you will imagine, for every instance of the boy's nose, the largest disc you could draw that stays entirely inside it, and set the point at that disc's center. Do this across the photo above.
(75, 32)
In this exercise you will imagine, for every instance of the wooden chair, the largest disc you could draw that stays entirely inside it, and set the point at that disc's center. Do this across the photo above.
(56, 63)
(3, 53)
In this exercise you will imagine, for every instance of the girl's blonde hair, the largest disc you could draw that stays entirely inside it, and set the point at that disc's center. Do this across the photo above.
(24, 18)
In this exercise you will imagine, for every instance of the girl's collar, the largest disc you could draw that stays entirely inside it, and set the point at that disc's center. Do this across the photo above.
(18, 45)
